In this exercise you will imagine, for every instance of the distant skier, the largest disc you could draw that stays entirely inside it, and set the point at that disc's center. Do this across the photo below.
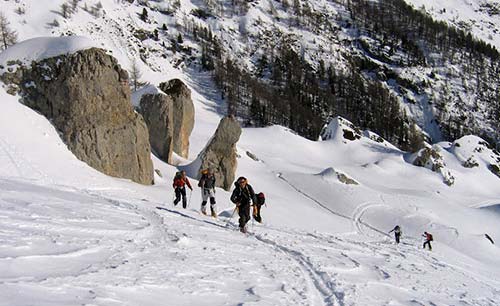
(428, 239)
(242, 195)
(397, 232)
(489, 238)
(261, 200)
(207, 185)
(180, 182)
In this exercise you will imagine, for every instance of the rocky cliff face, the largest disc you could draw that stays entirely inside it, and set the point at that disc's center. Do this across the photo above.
(220, 153)
(157, 110)
(183, 110)
(86, 96)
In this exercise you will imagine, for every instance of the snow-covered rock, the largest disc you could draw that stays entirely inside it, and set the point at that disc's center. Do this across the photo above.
(333, 175)
(430, 157)
(340, 129)
(472, 151)
(40, 48)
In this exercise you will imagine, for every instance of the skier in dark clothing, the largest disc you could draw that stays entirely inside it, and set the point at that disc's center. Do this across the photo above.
(397, 232)
(428, 239)
(242, 195)
(180, 182)
(207, 185)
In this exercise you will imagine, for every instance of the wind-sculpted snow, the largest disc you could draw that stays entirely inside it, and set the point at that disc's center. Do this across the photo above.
(40, 48)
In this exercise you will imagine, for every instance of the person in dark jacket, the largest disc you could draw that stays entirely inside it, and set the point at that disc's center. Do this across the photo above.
(397, 232)
(243, 195)
(207, 185)
(180, 182)
(428, 239)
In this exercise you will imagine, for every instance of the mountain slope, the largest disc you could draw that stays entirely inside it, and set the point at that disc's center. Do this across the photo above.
(328, 58)
(79, 237)
(71, 235)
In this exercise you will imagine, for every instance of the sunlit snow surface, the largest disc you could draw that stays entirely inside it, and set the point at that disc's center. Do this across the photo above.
(70, 235)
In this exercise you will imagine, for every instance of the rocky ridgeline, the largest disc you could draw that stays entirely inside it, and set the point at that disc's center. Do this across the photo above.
(87, 98)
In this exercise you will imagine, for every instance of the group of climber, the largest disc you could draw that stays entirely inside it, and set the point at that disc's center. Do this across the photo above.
(243, 196)
(427, 236)
(398, 232)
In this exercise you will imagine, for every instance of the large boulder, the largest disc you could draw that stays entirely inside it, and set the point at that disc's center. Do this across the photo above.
(220, 153)
(183, 109)
(157, 110)
(87, 98)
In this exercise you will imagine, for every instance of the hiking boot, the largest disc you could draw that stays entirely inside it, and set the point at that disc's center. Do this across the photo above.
(243, 230)
(204, 212)
(214, 214)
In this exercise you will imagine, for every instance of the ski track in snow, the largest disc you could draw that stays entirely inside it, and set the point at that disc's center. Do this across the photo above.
(297, 267)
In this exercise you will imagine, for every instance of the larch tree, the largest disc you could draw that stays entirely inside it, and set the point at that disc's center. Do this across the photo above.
(8, 36)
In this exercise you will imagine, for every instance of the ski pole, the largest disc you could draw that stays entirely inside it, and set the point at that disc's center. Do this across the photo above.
(234, 210)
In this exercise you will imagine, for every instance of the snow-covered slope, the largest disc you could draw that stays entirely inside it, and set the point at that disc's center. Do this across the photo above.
(70, 235)
(446, 94)
(78, 237)
(480, 17)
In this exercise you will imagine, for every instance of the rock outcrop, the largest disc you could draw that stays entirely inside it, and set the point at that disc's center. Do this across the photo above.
(431, 158)
(220, 153)
(157, 110)
(474, 152)
(340, 129)
(87, 98)
(183, 109)
(333, 175)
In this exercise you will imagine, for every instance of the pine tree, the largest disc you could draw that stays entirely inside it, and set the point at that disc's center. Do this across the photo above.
(135, 75)
(8, 36)
(144, 15)
(65, 10)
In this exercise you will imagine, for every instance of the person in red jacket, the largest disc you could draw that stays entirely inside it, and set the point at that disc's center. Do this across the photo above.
(180, 182)
(428, 239)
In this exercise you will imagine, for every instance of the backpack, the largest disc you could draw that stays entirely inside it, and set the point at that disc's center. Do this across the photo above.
(204, 173)
(431, 238)
(261, 199)
(203, 177)
(178, 175)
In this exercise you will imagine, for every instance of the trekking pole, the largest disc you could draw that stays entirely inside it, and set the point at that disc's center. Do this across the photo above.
(234, 210)
(190, 194)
